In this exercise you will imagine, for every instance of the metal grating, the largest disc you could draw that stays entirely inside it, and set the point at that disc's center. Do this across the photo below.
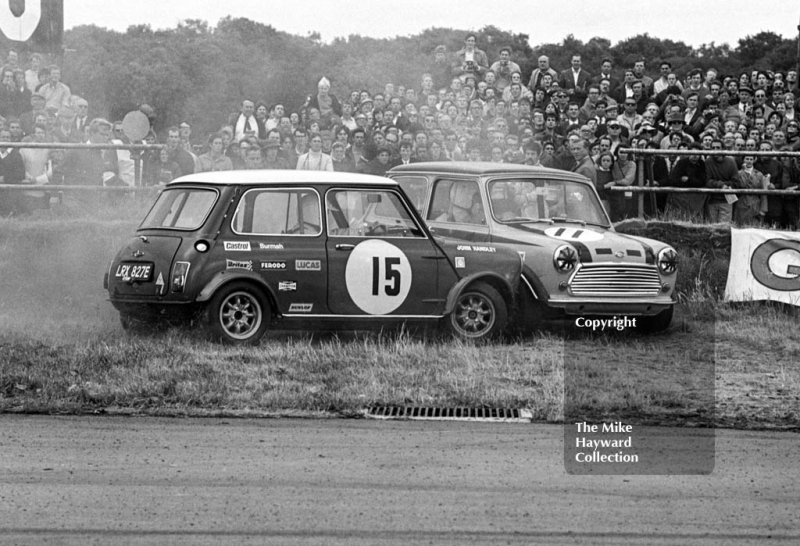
(616, 280)
(448, 413)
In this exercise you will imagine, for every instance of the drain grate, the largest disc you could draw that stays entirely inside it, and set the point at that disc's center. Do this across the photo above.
(449, 414)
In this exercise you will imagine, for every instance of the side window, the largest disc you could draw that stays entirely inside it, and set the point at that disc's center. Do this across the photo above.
(457, 201)
(416, 188)
(278, 212)
(369, 213)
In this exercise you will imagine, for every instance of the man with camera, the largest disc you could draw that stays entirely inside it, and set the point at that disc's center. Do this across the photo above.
(503, 68)
(470, 60)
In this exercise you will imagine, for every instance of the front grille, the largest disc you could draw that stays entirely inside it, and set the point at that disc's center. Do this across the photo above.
(625, 280)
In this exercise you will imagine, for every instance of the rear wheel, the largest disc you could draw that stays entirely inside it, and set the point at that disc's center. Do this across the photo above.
(239, 314)
(657, 323)
(479, 313)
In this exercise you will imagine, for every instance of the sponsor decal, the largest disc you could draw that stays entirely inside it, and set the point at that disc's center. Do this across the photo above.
(307, 265)
(301, 307)
(236, 264)
(476, 248)
(287, 286)
(461, 263)
(765, 265)
(270, 246)
(237, 245)
(273, 266)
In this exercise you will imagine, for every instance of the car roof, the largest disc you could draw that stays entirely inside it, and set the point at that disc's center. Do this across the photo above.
(477, 168)
(277, 176)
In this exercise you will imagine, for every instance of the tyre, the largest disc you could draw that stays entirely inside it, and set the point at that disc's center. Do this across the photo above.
(239, 314)
(657, 323)
(479, 313)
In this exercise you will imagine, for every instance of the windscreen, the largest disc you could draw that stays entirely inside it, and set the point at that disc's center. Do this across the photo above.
(541, 199)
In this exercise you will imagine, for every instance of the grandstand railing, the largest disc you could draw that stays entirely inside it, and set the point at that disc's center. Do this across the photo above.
(137, 163)
(645, 174)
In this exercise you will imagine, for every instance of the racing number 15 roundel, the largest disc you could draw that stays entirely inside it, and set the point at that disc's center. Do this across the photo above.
(378, 277)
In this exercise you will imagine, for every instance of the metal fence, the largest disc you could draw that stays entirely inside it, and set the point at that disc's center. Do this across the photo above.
(55, 188)
(644, 170)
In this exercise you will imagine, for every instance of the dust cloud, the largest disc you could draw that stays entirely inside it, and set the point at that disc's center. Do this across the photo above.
(51, 274)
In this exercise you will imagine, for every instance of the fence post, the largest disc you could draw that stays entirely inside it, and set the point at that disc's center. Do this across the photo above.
(640, 176)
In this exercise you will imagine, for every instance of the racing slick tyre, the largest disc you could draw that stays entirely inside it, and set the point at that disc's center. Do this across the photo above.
(239, 314)
(657, 323)
(479, 313)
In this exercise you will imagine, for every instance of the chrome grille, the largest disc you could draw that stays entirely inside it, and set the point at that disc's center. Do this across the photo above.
(615, 280)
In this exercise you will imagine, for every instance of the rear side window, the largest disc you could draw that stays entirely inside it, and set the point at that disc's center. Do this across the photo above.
(180, 208)
(294, 211)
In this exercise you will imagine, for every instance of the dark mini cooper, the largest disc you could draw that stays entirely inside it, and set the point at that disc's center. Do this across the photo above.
(575, 263)
(245, 251)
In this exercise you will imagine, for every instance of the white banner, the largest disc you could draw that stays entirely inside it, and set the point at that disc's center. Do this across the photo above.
(765, 265)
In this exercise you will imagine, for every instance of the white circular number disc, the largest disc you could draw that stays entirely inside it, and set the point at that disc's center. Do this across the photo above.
(378, 277)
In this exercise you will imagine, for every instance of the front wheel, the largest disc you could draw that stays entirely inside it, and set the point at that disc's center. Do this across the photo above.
(479, 313)
(657, 323)
(239, 314)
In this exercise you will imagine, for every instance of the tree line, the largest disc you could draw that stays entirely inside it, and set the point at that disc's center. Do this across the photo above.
(200, 74)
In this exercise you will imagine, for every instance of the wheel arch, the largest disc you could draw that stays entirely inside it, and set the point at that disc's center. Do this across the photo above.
(494, 280)
(222, 279)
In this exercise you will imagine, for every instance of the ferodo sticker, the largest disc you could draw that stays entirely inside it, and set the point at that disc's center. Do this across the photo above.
(271, 266)
(237, 245)
(573, 234)
(378, 277)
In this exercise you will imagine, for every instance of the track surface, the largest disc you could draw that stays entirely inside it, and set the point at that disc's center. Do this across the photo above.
(116, 480)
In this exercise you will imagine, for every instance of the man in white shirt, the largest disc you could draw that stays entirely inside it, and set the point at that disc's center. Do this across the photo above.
(244, 122)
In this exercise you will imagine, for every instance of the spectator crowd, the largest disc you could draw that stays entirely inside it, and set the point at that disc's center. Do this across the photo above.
(465, 107)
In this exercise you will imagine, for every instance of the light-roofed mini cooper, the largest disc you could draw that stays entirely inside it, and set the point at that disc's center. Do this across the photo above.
(575, 263)
(247, 250)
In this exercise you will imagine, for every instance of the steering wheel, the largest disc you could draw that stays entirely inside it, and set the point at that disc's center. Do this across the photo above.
(378, 229)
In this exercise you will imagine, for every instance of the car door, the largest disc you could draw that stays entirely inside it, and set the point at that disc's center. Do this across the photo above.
(380, 262)
(281, 234)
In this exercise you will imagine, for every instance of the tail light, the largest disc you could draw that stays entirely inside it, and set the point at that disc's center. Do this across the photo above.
(179, 272)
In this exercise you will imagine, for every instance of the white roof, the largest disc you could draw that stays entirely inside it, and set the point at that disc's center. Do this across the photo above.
(283, 177)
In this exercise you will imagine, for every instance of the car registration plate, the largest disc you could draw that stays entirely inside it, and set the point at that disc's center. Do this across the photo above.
(133, 271)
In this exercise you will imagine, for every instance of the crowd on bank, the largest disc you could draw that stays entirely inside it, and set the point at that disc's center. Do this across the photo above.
(464, 107)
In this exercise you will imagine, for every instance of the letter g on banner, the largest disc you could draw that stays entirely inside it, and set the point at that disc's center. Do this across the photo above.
(776, 264)
(19, 18)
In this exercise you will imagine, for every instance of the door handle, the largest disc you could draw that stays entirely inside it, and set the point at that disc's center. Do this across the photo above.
(345, 247)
